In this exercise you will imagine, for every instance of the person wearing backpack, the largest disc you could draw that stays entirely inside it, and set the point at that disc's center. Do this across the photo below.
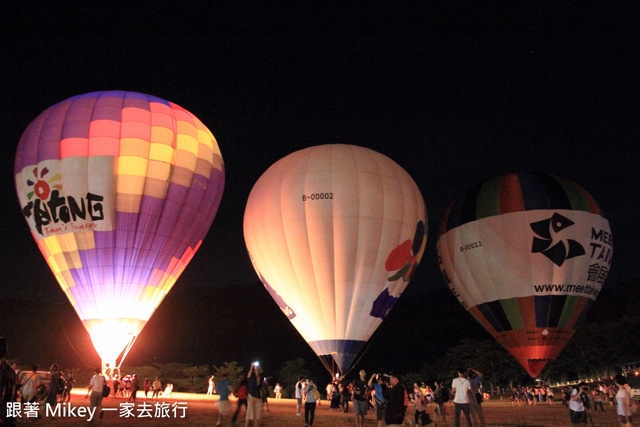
(311, 394)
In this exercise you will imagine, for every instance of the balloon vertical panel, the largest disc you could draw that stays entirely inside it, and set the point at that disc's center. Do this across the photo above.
(526, 254)
(320, 225)
(119, 189)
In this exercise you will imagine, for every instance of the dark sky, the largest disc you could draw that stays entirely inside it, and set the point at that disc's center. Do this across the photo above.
(454, 94)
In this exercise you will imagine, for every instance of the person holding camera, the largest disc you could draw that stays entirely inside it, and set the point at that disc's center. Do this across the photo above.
(254, 399)
(395, 394)
(309, 402)
(377, 382)
(577, 410)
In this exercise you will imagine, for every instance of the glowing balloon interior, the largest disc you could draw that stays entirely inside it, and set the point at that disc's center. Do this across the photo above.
(526, 255)
(119, 189)
(335, 233)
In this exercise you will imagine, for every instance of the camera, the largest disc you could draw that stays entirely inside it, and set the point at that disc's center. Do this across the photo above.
(382, 378)
(256, 363)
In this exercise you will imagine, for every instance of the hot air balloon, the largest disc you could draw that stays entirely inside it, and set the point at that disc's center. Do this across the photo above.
(119, 189)
(335, 233)
(526, 254)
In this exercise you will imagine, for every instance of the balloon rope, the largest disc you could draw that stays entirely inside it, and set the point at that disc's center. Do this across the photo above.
(362, 353)
(126, 350)
(326, 365)
(70, 344)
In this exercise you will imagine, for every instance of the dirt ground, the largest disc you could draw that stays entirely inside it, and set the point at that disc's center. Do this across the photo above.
(198, 410)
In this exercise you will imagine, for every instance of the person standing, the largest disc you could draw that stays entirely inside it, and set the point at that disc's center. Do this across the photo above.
(335, 396)
(212, 384)
(309, 402)
(623, 402)
(475, 396)
(241, 393)
(345, 395)
(419, 400)
(8, 382)
(298, 393)
(254, 399)
(135, 386)
(95, 388)
(376, 384)
(147, 387)
(115, 385)
(576, 405)
(54, 384)
(156, 387)
(30, 384)
(17, 384)
(597, 399)
(550, 396)
(395, 395)
(460, 388)
(440, 396)
(265, 394)
(360, 395)
(224, 389)
(66, 397)
(278, 391)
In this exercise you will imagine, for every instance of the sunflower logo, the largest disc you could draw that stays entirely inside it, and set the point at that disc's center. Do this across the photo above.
(42, 185)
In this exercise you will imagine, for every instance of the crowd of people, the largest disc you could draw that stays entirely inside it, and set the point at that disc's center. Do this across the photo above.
(34, 388)
(382, 393)
(391, 402)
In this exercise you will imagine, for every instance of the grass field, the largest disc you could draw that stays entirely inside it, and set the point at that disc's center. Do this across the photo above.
(197, 410)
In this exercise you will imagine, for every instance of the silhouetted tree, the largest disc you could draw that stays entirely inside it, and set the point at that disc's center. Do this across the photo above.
(288, 374)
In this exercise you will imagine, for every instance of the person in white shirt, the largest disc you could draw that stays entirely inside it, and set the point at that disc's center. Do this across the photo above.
(309, 402)
(95, 387)
(460, 388)
(30, 384)
(298, 391)
(623, 401)
(576, 405)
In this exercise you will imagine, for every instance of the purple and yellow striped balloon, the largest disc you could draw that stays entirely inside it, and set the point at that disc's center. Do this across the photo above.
(119, 189)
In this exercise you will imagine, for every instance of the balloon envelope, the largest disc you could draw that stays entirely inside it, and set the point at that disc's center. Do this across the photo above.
(335, 233)
(119, 189)
(526, 255)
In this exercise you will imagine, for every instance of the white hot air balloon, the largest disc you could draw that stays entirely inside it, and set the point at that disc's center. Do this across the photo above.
(335, 233)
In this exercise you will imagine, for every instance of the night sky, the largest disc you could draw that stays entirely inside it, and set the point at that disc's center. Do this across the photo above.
(455, 95)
